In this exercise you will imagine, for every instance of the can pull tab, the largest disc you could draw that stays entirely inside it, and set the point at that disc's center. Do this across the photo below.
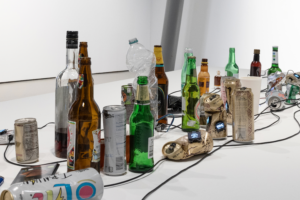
(171, 148)
(243, 88)
(212, 97)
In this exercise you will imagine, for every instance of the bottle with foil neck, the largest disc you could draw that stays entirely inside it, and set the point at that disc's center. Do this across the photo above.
(231, 68)
(188, 52)
(275, 66)
(65, 94)
(141, 130)
(190, 98)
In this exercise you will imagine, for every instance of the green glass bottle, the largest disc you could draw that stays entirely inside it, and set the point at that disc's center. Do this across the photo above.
(231, 68)
(188, 52)
(141, 130)
(190, 98)
(275, 66)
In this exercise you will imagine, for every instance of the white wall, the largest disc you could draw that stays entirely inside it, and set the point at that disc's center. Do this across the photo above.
(33, 34)
(211, 27)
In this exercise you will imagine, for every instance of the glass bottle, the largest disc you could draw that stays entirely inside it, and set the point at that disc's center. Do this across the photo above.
(141, 130)
(188, 52)
(83, 52)
(163, 85)
(190, 98)
(231, 68)
(255, 69)
(203, 78)
(65, 94)
(275, 66)
(217, 81)
(84, 124)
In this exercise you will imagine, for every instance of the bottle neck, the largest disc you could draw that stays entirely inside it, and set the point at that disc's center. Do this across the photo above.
(83, 52)
(275, 57)
(158, 55)
(256, 57)
(191, 68)
(159, 69)
(191, 79)
(142, 95)
(85, 83)
(204, 68)
(231, 57)
(72, 59)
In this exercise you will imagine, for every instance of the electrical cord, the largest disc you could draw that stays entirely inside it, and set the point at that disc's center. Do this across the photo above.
(46, 125)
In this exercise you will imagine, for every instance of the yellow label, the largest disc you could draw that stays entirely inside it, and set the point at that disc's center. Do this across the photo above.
(158, 55)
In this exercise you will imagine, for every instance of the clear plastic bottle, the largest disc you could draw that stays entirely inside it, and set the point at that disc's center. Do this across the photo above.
(65, 94)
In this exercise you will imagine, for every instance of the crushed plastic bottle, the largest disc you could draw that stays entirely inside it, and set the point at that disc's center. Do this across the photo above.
(142, 62)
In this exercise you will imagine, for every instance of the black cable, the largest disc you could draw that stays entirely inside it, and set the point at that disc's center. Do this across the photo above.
(185, 169)
(263, 103)
(46, 125)
(215, 90)
(175, 92)
(110, 185)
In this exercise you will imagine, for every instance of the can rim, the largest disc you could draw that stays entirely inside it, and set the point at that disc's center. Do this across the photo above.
(3, 194)
(120, 108)
(24, 120)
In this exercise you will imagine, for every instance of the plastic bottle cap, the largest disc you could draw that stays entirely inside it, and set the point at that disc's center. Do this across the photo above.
(188, 50)
(204, 60)
(218, 72)
(256, 51)
(132, 41)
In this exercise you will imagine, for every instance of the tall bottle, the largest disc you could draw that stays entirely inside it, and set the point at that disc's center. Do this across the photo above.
(163, 85)
(190, 98)
(255, 69)
(141, 130)
(83, 52)
(275, 66)
(203, 78)
(84, 124)
(188, 52)
(231, 68)
(65, 94)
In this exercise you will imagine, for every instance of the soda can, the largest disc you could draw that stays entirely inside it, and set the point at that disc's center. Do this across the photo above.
(291, 92)
(26, 139)
(243, 115)
(81, 184)
(231, 84)
(127, 99)
(114, 120)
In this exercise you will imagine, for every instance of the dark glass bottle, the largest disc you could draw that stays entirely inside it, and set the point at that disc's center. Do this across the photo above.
(217, 81)
(141, 130)
(84, 123)
(255, 69)
(83, 52)
(163, 85)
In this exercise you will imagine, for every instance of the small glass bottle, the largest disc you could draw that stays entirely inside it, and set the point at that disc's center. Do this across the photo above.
(275, 66)
(231, 68)
(255, 69)
(217, 80)
(203, 78)
(188, 52)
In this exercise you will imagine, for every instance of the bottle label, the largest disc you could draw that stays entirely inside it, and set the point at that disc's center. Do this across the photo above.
(162, 100)
(80, 81)
(236, 75)
(191, 123)
(197, 110)
(207, 84)
(97, 140)
(71, 145)
(201, 84)
(275, 57)
(183, 105)
(150, 147)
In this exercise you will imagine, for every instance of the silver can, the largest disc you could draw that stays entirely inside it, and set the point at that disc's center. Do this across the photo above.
(26, 140)
(114, 120)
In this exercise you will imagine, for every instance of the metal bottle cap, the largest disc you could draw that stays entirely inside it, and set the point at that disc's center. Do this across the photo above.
(6, 195)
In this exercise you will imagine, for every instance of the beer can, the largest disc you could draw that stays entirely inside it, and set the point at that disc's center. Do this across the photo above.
(114, 120)
(243, 115)
(199, 112)
(231, 84)
(81, 184)
(291, 92)
(26, 140)
(127, 99)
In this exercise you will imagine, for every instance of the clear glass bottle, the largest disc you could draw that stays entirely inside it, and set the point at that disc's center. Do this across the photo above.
(141, 130)
(190, 98)
(231, 68)
(203, 77)
(188, 52)
(217, 81)
(275, 66)
(65, 94)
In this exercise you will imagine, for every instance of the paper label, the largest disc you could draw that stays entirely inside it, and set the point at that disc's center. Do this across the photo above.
(191, 123)
(80, 81)
(31, 142)
(236, 75)
(275, 57)
(97, 141)
(150, 147)
(71, 145)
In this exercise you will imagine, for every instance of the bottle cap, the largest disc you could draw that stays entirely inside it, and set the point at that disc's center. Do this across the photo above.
(6, 195)
(232, 49)
(192, 57)
(142, 80)
(132, 41)
(188, 50)
(72, 39)
(256, 51)
(83, 44)
(157, 45)
(218, 73)
(204, 60)
(85, 61)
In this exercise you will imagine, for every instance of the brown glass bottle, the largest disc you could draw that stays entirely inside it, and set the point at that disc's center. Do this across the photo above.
(83, 52)
(84, 124)
(163, 85)
(255, 69)
(203, 78)
(217, 80)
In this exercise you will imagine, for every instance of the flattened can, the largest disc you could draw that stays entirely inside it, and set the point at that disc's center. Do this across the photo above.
(291, 91)
(243, 115)
(127, 99)
(231, 84)
(26, 140)
(114, 120)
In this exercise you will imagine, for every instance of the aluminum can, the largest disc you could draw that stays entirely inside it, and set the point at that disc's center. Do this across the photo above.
(291, 91)
(231, 84)
(223, 92)
(80, 184)
(243, 115)
(114, 121)
(127, 99)
(27, 141)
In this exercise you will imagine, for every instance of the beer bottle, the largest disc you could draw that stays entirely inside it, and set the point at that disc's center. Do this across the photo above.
(84, 124)
(188, 52)
(163, 85)
(275, 66)
(141, 130)
(65, 94)
(83, 52)
(231, 67)
(255, 68)
(203, 78)
(190, 98)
